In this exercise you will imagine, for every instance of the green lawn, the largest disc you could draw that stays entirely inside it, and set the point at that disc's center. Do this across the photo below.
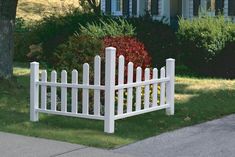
(197, 100)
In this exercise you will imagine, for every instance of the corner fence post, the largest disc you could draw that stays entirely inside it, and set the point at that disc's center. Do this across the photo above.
(170, 86)
(110, 66)
(34, 91)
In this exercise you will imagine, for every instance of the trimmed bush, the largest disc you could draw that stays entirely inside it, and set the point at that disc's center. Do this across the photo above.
(112, 28)
(50, 32)
(159, 39)
(54, 30)
(22, 38)
(208, 33)
(132, 49)
(76, 51)
(204, 41)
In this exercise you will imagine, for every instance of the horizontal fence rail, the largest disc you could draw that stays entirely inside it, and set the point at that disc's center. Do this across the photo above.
(127, 91)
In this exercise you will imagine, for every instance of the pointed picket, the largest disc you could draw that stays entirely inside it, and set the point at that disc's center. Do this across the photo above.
(129, 90)
(74, 92)
(138, 89)
(97, 76)
(146, 89)
(85, 92)
(155, 87)
(44, 91)
(120, 82)
(163, 87)
(64, 91)
(53, 91)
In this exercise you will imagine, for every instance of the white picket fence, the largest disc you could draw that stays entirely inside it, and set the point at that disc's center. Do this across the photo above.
(131, 106)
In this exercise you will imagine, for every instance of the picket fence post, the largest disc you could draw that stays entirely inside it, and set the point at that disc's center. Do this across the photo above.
(34, 91)
(110, 66)
(170, 86)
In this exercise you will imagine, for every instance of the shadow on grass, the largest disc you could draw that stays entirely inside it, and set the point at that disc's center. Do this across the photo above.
(202, 105)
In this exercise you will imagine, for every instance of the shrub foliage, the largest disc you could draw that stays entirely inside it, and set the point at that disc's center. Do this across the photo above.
(205, 41)
(112, 28)
(76, 51)
(159, 39)
(132, 49)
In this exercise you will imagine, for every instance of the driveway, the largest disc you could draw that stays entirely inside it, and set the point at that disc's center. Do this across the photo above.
(211, 139)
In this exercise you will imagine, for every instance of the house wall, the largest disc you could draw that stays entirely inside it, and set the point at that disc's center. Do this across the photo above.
(175, 8)
(161, 7)
(164, 8)
(187, 9)
(142, 7)
(130, 7)
(166, 12)
(226, 10)
(102, 5)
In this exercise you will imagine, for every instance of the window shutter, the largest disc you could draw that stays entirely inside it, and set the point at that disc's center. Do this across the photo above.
(196, 5)
(154, 7)
(108, 7)
(231, 8)
(219, 6)
(134, 7)
(125, 7)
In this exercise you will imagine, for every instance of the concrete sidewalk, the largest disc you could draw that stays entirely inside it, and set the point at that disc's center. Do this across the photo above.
(12, 145)
(211, 139)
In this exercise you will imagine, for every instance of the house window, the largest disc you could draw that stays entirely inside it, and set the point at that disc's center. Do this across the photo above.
(196, 6)
(154, 7)
(219, 7)
(117, 7)
(210, 7)
(231, 8)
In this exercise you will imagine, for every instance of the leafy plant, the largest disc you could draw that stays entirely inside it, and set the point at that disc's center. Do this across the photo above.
(208, 32)
(50, 32)
(158, 38)
(203, 40)
(132, 49)
(111, 28)
(76, 51)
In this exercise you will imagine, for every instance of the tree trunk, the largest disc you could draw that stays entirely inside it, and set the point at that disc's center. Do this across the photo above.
(6, 48)
(7, 20)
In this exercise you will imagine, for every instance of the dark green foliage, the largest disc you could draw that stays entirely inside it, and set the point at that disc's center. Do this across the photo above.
(22, 39)
(73, 54)
(208, 33)
(205, 41)
(158, 38)
(55, 30)
(110, 28)
(202, 44)
(224, 65)
(51, 32)
(76, 51)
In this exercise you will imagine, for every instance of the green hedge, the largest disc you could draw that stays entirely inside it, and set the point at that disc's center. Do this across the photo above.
(50, 32)
(205, 41)
(110, 28)
(159, 39)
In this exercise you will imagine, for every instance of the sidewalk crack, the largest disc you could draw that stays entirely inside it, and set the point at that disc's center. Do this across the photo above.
(68, 152)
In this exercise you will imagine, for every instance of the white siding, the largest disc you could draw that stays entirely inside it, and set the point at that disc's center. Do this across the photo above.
(102, 5)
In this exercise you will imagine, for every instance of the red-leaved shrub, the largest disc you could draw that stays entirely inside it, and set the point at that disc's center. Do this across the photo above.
(132, 49)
